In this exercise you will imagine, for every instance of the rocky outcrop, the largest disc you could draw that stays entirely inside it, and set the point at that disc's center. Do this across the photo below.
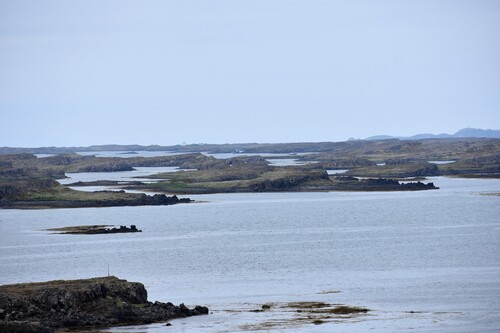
(349, 183)
(98, 302)
(95, 230)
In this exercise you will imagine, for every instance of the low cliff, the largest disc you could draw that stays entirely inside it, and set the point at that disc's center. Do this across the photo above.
(98, 302)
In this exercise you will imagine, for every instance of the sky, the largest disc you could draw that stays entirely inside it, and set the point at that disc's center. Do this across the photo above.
(85, 72)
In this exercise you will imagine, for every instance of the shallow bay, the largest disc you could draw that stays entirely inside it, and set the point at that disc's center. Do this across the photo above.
(424, 261)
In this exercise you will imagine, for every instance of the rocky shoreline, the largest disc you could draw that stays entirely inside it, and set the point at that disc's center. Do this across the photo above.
(138, 200)
(90, 303)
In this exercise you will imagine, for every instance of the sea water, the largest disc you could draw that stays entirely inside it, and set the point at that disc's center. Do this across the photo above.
(424, 261)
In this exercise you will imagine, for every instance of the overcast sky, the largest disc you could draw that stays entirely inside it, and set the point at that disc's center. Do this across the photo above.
(85, 72)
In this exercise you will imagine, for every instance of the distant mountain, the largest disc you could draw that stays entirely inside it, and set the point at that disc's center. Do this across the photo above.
(477, 133)
(463, 133)
(380, 137)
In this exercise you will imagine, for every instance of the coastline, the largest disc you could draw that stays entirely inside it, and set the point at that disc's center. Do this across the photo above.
(59, 196)
(88, 303)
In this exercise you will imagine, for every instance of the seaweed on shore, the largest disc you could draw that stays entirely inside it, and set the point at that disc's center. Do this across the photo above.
(297, 314)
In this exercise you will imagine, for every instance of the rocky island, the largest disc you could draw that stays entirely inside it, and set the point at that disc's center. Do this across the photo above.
(94, 230)
(91, 303)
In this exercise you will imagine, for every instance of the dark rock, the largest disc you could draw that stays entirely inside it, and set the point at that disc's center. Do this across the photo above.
(42, 307)
(23, 327)
(199, 310)
(349, 183)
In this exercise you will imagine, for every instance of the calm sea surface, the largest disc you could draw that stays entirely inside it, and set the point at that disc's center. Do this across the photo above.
(422, 261)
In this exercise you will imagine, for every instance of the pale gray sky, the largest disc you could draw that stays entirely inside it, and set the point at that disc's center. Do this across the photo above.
(85, 72)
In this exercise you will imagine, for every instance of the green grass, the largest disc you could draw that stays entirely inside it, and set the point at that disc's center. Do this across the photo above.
(62, 193)
(239, 179)
(396, 170)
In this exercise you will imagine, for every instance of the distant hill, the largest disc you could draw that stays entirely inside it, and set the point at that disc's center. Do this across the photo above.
(477, 133)
(463, 133)
(253, 148)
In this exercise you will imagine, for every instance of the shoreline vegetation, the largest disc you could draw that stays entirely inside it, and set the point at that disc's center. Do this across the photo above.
(28, 182)
(301, 315)
(44, 307)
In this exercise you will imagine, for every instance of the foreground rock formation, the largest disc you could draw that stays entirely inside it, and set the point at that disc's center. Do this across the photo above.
(99, 302)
